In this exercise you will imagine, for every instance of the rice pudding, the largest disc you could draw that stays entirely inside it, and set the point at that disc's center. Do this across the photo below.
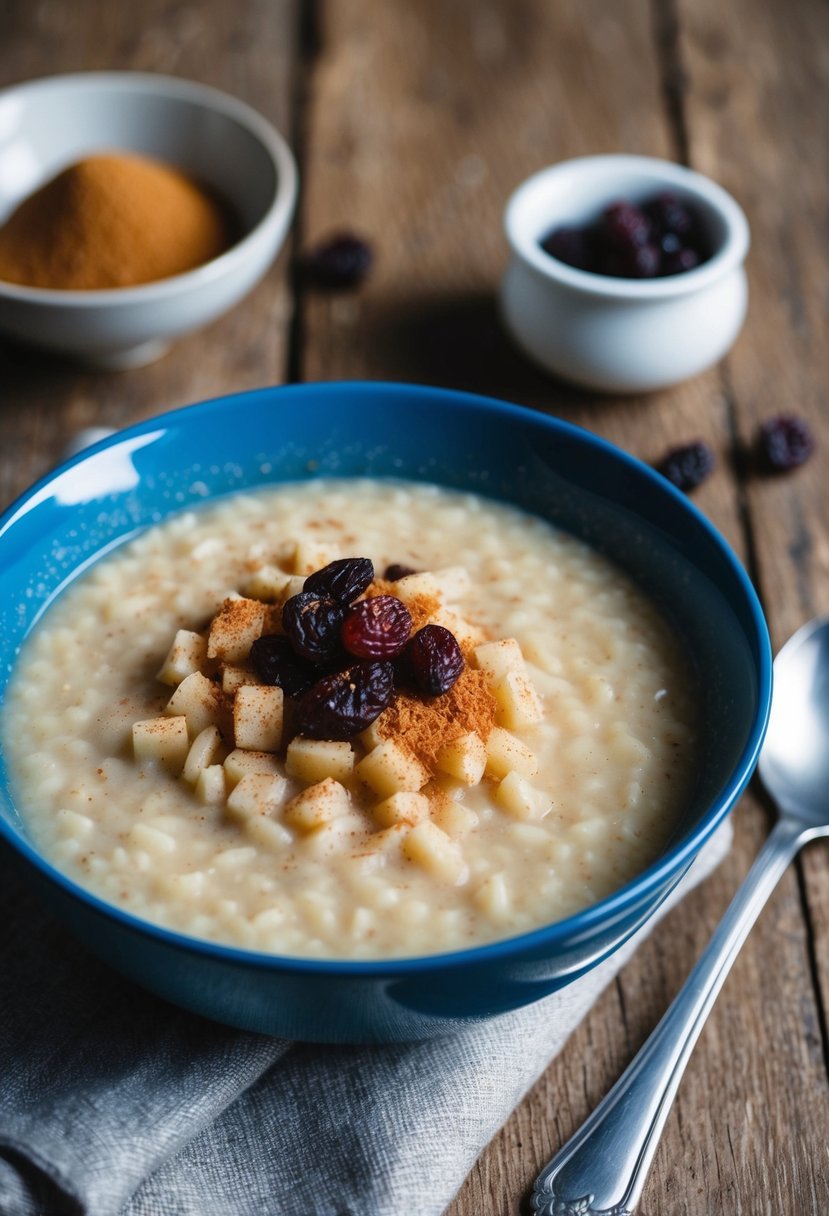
(407, 837)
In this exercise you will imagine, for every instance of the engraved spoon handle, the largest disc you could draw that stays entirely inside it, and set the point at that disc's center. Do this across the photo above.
(601, 1170)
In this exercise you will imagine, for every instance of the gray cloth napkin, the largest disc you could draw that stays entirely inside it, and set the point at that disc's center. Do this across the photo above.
(113, 1103)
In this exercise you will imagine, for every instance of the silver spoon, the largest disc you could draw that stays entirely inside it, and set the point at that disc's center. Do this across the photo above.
(602, 1169)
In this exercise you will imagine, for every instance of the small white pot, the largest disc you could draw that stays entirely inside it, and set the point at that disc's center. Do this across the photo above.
(613, 334)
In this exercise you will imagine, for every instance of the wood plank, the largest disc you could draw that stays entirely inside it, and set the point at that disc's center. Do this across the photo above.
(421, 121)
(247, 50)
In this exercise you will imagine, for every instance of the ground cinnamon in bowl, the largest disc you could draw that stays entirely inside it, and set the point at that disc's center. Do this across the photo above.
(113, 220)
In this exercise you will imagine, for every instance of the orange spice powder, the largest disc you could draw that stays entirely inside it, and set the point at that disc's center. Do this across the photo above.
(112, 220)
(424, 725)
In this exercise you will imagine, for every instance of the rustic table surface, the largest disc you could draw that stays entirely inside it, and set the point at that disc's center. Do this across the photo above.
(412, 121)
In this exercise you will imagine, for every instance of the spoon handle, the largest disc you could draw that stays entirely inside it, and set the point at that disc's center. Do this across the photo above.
(601, 1170)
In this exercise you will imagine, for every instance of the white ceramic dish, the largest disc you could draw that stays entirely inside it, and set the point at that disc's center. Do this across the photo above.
(613, 334)
(48, 124)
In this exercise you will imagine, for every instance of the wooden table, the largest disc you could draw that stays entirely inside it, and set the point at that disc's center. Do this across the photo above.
(412, 121)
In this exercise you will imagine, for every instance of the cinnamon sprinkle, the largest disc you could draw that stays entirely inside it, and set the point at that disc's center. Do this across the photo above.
(424, 725)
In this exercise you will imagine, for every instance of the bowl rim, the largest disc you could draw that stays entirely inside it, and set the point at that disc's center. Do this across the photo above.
(141, 84)
(525, 240)
(624, 899)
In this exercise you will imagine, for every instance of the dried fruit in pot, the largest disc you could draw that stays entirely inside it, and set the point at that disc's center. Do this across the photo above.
(661, 236)
(276, 662)
(687, 466)
(434, 660)
(785, 442)
(378, 628)
(343, 580)
(342, 705)
(340, 262)
(312, 622)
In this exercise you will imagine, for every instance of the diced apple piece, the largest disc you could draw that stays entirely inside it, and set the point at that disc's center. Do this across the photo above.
(497, 659)
(318, 804)
(199, 700)
(158, 843)
(257, 717)
(414, 585)
(387, 841)
(163, 739)
(519, 704)
(505, 752)
(312, 760)
(267, 583)
(404, 807)
(267, 832)
(334, 837)
(464, 758)
(256, 794)
(186, 655)
(518, 798)
(431, 849)
(312, 555)
(202, 753)
(234, 629)
(453, 818)
(388, 769)
(493, 898)
(234, 677)
(210, 785)
(452, 581)
(239, 763)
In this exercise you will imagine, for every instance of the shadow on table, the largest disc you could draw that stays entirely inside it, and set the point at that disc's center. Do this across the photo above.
(459, 342)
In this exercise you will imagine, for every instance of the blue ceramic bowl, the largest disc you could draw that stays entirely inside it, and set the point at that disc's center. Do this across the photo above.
(557, 471)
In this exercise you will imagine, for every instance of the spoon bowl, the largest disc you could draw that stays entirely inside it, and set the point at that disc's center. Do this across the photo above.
(794, 762)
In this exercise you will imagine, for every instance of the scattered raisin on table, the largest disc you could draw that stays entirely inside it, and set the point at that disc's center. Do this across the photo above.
(338, 263)
(785, 442)
(378, 628)
(434, 660)
(344, 580)
(687, 466)
(341, 705)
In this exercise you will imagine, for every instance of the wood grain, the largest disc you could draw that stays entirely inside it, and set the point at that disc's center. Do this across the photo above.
(413, 123)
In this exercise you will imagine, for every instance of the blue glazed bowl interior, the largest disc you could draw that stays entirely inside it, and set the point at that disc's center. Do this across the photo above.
(571, 478)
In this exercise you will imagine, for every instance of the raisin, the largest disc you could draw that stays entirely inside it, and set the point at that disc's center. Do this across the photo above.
(397, 571)
(276, 662)
(313, 622)
(378, 628)
(340, 262)
(680, 260)
(661, 236)
(434, 660)
(571, 246)
(634, 262)
(344, 580)
(785, 442)
(625, 226)
(341, 705)
(669, 215)
(687, 466)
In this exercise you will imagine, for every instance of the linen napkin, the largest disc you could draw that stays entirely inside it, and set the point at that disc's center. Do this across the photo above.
(114, 1103)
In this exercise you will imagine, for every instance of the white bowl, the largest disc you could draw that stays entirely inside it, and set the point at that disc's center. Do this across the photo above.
(613, 334)
(48, 124)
